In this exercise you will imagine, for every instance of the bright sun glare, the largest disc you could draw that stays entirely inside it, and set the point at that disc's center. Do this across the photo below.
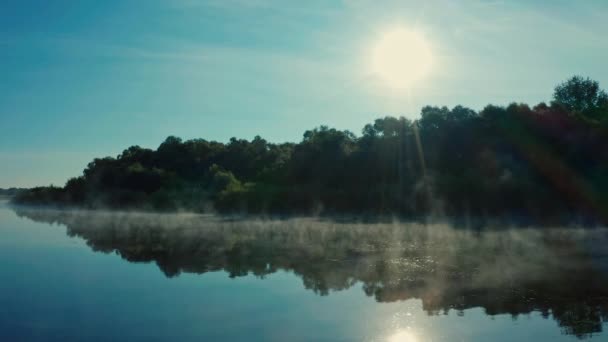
(402, 336)
(400, 57)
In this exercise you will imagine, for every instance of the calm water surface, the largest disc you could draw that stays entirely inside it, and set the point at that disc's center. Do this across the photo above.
(147, 277)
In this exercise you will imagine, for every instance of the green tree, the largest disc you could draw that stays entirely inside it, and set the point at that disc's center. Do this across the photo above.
(581, 95)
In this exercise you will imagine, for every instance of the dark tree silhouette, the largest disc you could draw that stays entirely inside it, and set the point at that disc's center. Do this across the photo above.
(581, 95)
(544, 164)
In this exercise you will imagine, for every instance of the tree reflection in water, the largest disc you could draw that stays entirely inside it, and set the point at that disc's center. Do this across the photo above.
(560, 272)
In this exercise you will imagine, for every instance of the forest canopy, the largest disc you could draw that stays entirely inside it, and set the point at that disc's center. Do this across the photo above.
(543, 163)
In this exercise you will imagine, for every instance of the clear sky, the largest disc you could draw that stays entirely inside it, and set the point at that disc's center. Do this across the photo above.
(88, 78)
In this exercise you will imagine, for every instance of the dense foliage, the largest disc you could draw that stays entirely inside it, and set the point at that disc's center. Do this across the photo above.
(547, 162)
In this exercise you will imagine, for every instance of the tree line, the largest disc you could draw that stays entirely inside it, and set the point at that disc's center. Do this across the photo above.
(543, 163)
(10, 192)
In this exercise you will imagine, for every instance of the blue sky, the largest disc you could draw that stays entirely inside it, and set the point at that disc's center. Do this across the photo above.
(88, 78)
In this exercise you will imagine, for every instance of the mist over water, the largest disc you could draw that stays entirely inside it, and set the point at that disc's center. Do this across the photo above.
(559, 273)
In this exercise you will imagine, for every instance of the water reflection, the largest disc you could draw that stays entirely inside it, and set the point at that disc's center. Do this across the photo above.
(402, 336)
(562, 273)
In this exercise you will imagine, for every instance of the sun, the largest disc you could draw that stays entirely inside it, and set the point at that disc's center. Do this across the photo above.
(401, 57)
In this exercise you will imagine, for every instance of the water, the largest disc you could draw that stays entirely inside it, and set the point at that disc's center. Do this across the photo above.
(147, 277)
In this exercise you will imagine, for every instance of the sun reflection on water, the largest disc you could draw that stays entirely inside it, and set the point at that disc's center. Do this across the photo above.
(403, 336)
